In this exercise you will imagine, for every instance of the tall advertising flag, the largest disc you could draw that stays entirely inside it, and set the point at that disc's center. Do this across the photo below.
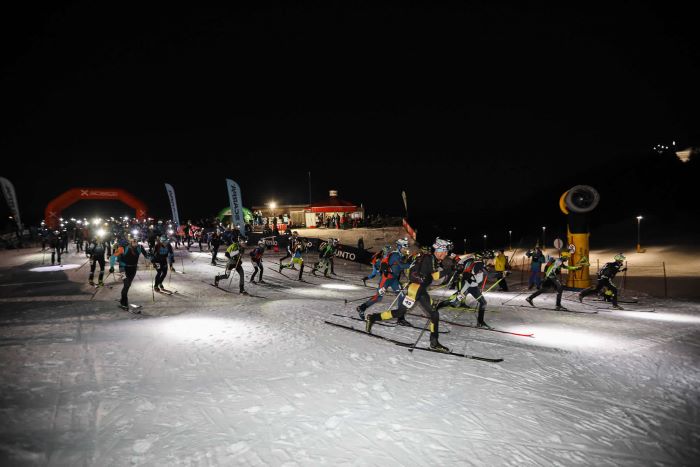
(173, 203)
(236, 203)
(9, 191)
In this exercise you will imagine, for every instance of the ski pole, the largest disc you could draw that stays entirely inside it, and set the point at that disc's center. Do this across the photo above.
(421, 335)
(153, 286)
(81, 267)
(358, 299)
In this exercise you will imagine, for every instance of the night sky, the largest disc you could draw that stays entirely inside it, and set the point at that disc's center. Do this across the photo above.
(480, 111)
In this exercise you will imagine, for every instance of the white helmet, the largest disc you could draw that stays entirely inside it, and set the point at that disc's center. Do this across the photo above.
(261, 242)
(442, 245)
(402, 243)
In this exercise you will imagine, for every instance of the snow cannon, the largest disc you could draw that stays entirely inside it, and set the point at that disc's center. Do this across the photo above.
(576, 203)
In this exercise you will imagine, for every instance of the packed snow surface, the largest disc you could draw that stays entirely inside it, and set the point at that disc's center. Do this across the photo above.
(209, 377)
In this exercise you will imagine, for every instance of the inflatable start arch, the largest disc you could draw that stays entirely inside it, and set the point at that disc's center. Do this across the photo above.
(53, 210)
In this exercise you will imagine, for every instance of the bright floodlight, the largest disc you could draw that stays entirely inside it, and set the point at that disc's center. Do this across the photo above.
(272, 204)
(95, 221)
(639, 218)
(134, 232)
(101, 232)
(170, 232)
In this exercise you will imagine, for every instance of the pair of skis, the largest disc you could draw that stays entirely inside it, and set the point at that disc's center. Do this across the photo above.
(485, 328)
(388, 325)
(410, 346)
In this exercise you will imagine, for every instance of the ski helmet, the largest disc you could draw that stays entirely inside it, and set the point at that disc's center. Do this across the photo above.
(163, 239)
(123, 242)
(402, 243)
(261, 242)
(565, 255)
(620, 257)
(441, 245)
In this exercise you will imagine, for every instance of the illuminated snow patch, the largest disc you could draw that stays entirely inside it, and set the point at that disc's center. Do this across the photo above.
(339, 287)
(568, 338)
(202, 328)
(55, 268)
(657, 316)
(318, 293)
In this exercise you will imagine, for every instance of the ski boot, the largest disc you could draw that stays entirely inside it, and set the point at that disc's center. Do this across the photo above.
(216, 281)
(243, 292)
(100, 284)
(580, 298)
(360, 311)
(333, 273)
(617, 307)
(313, 272)
(403, 322)
(560, 308)
(437, 346)
(252, 280)
(281, 267)
(529, 300)
(482, 324)
(91, 282)
(364, 281)
(262, 282)
(369, 321)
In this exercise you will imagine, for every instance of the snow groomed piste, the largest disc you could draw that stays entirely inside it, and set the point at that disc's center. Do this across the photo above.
(211, 376)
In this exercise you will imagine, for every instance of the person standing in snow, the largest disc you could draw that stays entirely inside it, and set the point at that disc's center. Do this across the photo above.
(537, 260)
(162, 255)
(128, 257)
(500, 265)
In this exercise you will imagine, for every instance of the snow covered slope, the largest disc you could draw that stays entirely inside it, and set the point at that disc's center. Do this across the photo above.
(208, 377)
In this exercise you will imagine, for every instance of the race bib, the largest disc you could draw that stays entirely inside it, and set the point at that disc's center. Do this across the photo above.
(408, 303)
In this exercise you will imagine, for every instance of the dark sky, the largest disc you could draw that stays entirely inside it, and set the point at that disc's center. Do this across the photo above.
(449, 102)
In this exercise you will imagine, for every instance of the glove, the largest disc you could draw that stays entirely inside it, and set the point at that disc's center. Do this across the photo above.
(460, 297)
(157, 266)
(111, 269)
(381, 291)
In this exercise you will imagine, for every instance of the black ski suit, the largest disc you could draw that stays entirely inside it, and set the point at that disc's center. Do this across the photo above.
(128, 261)
(605, 279)
(162, 255)
(97, 250)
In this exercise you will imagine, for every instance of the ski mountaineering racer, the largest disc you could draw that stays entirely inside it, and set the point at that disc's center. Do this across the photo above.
(423, 272)
(551, 278)
(605, 279)
(391, 267)
(234, 253)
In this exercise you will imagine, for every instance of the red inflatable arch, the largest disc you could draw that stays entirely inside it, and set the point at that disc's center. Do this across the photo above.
(58, 204)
